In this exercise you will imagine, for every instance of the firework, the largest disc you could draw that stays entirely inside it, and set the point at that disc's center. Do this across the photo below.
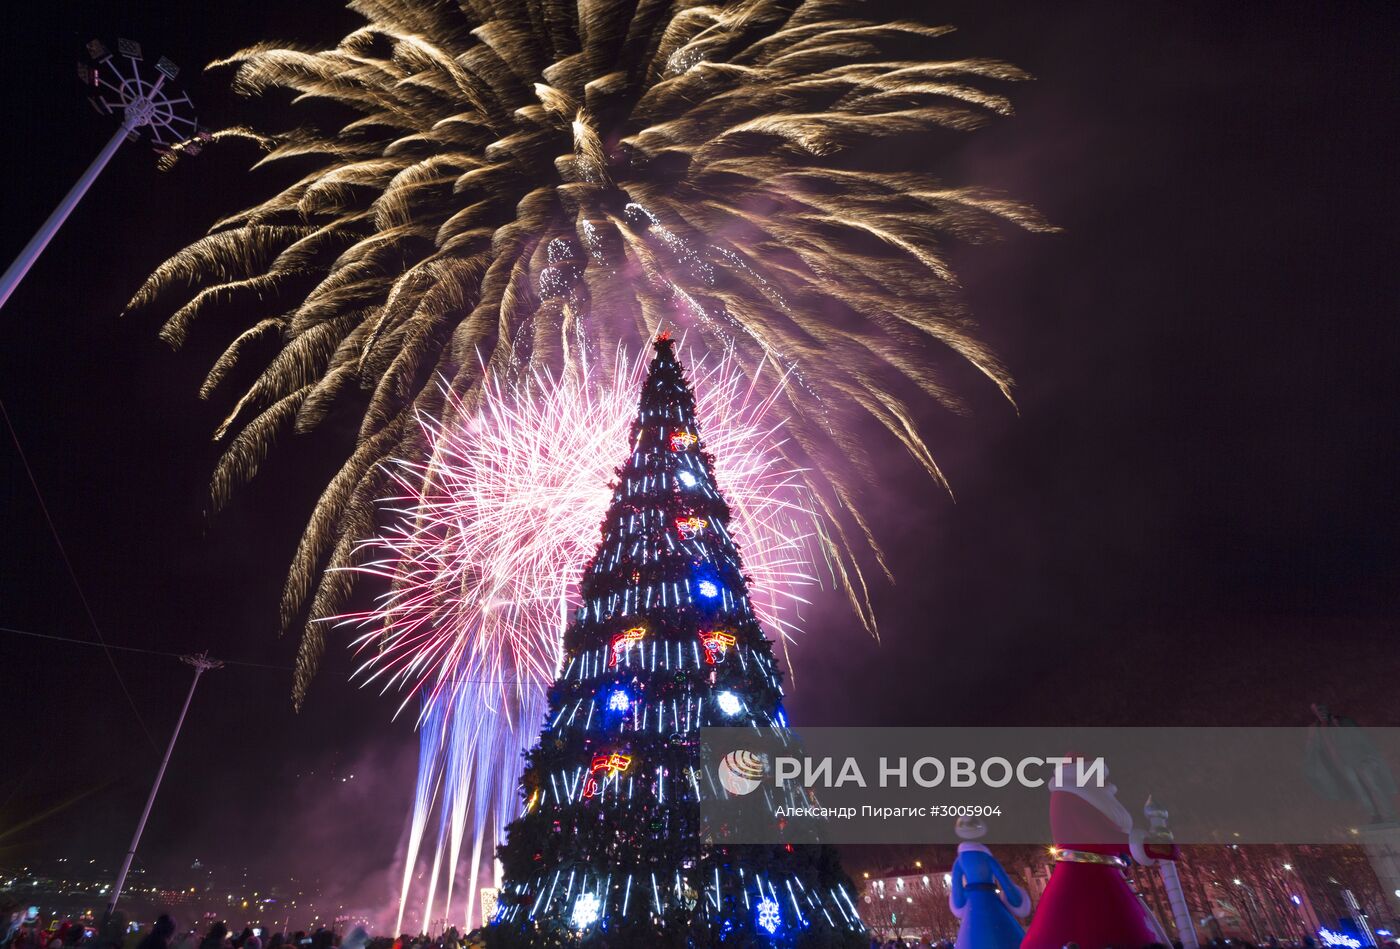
(486, 547)
(523, 184)
(492, 531)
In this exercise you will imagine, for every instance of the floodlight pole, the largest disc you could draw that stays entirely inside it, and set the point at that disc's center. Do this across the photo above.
(41, 239)
(202, 663)
(142, 102)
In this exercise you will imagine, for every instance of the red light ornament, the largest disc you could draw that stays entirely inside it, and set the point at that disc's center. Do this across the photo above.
(690, 527)
(716, 643)
(626, 640)
(607, 765)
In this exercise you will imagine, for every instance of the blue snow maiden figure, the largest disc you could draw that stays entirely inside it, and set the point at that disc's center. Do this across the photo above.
(987, 920)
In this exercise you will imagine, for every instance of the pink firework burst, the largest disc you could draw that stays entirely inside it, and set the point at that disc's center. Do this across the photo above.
(492, 532)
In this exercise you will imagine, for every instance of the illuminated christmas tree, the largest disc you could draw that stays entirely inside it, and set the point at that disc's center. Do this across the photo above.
(609, 849)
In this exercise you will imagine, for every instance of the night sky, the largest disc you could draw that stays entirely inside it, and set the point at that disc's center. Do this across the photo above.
(1190, 520)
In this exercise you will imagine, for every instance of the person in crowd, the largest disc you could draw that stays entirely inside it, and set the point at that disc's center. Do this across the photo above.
(12, 928)
(159, 936)
(214, 938)
(112, 932)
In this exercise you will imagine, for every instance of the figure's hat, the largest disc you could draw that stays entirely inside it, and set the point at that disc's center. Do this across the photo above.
(970, 828)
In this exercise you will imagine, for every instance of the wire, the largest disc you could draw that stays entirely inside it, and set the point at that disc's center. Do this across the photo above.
(179, 655)
(150, 652)
(73, 575)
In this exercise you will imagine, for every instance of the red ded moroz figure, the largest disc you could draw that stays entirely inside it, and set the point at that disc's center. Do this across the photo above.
(1089, 900)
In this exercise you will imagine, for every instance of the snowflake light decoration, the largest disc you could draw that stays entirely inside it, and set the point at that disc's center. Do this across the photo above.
(770, 915)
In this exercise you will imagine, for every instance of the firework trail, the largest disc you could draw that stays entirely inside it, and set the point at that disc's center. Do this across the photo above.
(520, 185)
(487, 543)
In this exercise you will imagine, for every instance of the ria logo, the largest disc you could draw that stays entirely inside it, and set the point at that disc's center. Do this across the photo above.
(741, 772)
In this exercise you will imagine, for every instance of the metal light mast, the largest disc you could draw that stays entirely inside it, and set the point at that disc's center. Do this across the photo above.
(202, 664)
(140, 95)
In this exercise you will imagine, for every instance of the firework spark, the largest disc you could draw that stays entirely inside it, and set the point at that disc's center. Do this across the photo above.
(493, 530)
(487, 545)
(523, 184)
